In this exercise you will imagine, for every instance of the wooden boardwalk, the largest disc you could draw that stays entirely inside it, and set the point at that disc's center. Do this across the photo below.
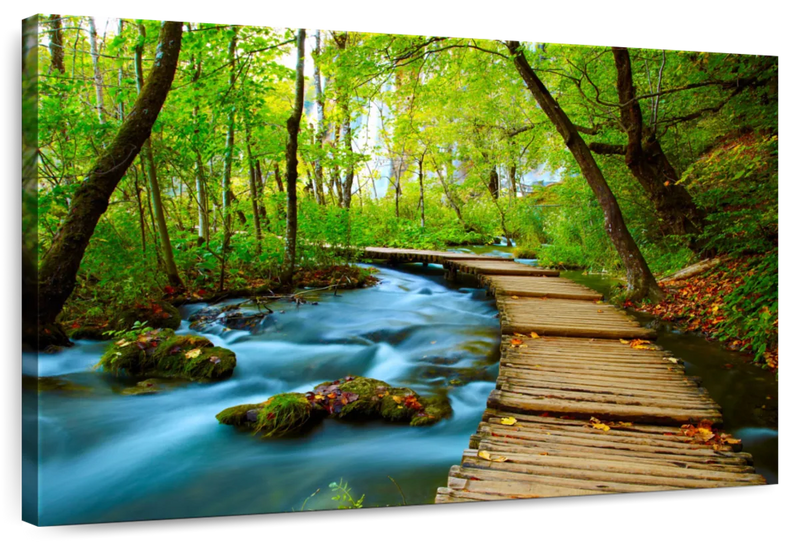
(584, 403)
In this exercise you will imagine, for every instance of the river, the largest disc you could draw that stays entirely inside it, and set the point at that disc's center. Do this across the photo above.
(108, 457)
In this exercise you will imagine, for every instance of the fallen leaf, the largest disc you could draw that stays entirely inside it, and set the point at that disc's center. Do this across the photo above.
(193, 354)
(599, 311)
(516, 342)
(499, 459)
(515, 297)
(508, 420)
(485, 455)
(621, 341)
(534, 335)
(398, 399)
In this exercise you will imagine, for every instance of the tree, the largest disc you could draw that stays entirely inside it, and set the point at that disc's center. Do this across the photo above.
(149, 167)
(641, 282)
(60, 265)
(293, 128)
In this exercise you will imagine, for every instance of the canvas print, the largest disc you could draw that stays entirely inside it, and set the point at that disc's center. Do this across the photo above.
(283, 269)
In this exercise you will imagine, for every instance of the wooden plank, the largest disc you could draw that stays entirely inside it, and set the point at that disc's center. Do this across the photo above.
(500, 268)
(603, 439)
(532, 286)
(580, 450)
(628, 473)
(617, 412)
(598, 486)
(686, 395)
(631, 399)
(608, 469)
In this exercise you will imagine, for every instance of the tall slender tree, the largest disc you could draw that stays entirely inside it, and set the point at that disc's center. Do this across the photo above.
(293, 128)
(149, 166)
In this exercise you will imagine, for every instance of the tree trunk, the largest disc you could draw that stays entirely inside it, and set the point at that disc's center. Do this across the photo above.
(120, 76)
(262, 209)
(422, 190)
(56, 45)
(641, 282)
(98, 76)
(202, 201)
(227, 192)
(60, 265)
(494, 183)
(278, 180)
(322, 130)
(347, 135)
(152, 179)
(293, 128)
(677, 213)
(512, 179)
(253, 190)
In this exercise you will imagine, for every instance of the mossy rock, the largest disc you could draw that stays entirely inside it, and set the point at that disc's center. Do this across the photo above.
(280, 415)
(88, 332)
(159, 315)
(352, 398)
(163, 354)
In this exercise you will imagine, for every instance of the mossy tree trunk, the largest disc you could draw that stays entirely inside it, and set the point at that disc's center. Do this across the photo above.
(59, 267)
(641, 282)
(293, 128)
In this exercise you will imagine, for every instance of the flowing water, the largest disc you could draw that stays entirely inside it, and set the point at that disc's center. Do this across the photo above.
(109, 457)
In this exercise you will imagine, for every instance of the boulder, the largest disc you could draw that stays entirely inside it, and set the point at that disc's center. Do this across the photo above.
(351, 398)
(161, 353)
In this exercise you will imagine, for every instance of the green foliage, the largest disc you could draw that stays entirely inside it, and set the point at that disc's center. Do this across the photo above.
(130, 334)
(737, 183)
(755, 306)
(343, 496)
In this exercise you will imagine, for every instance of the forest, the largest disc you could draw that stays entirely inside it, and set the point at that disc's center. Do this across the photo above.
(197, 197)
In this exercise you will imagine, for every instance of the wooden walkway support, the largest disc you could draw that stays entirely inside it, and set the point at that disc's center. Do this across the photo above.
(584, 403)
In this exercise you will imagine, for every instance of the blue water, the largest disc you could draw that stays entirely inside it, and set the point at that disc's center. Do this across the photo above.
(109, 457)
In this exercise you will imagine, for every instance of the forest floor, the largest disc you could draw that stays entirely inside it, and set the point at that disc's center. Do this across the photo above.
(95, 317)
(702, 304)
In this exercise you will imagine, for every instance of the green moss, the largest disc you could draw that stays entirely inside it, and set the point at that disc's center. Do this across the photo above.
(88, 333)
(281, 415)
(287, 413)
(162, 354)
(352, 398)
(237, 415)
